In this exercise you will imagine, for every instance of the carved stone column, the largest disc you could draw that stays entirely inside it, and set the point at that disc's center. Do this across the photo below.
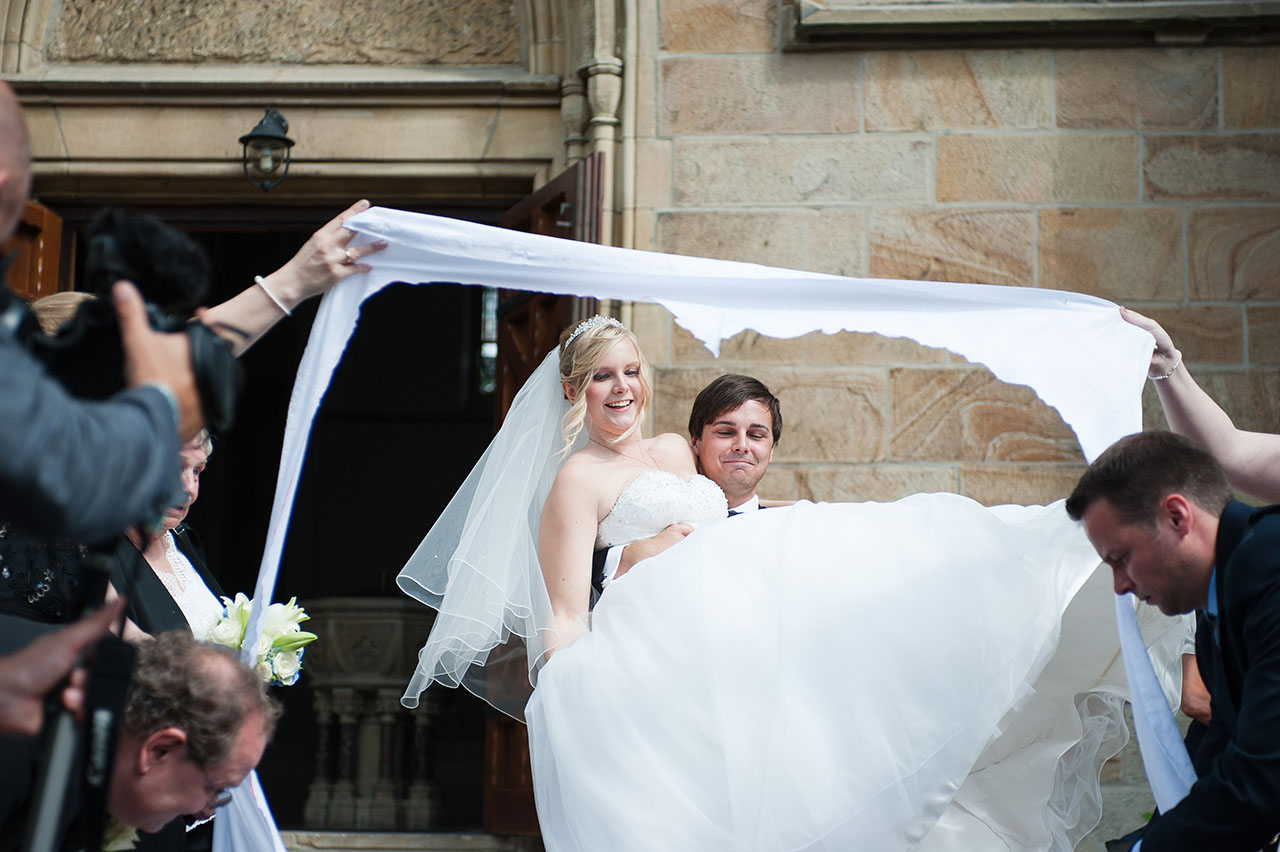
(366, 653)
(604, 91)
(382, 808)
(422, 801)
(316, 810)
(342, 804)
(573, 118)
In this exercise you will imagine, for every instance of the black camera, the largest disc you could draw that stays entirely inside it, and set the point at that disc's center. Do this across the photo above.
(172, 272)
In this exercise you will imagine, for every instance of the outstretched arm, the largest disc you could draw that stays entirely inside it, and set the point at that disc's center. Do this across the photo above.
(324, 260)
(1251, 459)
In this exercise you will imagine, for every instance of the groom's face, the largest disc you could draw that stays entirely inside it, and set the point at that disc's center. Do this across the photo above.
(734, 449)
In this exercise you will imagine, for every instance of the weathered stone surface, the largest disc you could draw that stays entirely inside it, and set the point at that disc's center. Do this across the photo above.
(759, 93)
(982, 246)
(1018, 167)
(1139, 89)
(1264, 335)
(958, 90)
(400, 133)
(1027, 484)
(827, 240)
(779, 482)
(798, 170)
(652, 325)
(716, 26)
(1243, 167)
(880, 483)
(1250, 80)
(646, 226)
(291, 32)
(968, 415)
(1234, 253)
(1120, 254)
(835, 414)
(747, 350)
(1205, 334)
(646, 70)
(1251, 397)
(653, 173)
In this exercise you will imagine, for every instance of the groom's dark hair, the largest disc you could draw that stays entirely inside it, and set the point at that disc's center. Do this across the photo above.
(727, 393)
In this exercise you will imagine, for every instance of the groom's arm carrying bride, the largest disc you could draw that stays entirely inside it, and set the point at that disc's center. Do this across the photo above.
(734, 425)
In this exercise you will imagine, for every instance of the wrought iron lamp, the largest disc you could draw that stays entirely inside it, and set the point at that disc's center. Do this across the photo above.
(266, 151)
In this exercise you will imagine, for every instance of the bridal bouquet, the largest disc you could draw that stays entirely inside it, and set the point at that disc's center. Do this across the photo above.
(278, 655)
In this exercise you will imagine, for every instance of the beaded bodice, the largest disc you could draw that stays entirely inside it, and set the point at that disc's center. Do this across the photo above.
(656, 499)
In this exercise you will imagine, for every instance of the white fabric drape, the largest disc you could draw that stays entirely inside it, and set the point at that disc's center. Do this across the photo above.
(1073, 350)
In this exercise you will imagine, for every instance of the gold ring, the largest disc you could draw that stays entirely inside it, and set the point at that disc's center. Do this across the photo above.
(347, 252)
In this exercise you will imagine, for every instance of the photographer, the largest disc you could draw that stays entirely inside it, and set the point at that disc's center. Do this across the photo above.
(87, 469)
(195, 723)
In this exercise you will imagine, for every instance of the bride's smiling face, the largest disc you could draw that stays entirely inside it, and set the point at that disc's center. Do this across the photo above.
(614, 392)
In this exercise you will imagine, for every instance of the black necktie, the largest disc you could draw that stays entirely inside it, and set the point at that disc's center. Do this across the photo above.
(733, 512)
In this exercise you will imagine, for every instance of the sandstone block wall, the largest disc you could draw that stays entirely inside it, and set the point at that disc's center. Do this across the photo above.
(1150, 177)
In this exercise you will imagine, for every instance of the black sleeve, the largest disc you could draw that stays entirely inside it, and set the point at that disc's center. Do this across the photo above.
(597, 572)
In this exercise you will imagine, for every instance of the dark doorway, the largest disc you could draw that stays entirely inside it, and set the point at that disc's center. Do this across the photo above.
(401, 425)
(408, 413)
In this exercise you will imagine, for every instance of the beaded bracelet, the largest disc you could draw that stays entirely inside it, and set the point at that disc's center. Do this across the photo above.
(261, 282)
(1176, 365)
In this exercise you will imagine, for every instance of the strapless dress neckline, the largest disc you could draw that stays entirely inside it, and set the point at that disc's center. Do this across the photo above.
(655, 499)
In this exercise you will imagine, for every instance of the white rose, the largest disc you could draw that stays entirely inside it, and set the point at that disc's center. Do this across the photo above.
(286, 666)
(262, 647)
(226, 632)
(264, 671)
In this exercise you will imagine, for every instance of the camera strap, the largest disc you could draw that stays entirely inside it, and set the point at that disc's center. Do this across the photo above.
(104, 714)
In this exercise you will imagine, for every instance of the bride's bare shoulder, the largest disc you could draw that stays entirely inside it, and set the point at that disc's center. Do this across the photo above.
(671, 442)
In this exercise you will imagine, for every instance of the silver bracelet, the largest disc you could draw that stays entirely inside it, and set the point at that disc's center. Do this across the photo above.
(1176, 365)
(261, 282)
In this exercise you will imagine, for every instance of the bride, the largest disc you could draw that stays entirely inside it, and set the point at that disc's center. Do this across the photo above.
(816, 677)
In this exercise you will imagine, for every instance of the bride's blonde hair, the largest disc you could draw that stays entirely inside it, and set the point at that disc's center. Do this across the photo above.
(582, 348)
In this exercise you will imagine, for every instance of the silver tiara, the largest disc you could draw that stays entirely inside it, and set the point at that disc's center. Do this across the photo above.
(592, 322)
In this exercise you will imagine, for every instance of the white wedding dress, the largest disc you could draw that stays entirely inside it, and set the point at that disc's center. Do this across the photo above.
(830, 677)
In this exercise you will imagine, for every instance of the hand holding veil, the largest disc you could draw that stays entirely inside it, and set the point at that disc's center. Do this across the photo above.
(478, 566)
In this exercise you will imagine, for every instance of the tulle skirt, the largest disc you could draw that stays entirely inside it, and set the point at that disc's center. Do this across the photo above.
(837, 677)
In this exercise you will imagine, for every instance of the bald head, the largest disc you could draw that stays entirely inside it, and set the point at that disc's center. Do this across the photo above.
(15, 161)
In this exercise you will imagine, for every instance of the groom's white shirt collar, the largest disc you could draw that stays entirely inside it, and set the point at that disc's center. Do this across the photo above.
(749, 505)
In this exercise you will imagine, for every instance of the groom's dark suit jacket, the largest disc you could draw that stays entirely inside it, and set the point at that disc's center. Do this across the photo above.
(1235, 805)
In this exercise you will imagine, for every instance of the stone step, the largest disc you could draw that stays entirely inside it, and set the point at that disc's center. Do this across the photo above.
(385, 841)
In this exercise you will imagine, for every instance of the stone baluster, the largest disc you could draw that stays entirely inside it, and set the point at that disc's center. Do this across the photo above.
(422, 804)
(316, 810)
(342, 804)
(383, 807)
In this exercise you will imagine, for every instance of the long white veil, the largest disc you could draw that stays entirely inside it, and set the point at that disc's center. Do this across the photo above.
(478, 565)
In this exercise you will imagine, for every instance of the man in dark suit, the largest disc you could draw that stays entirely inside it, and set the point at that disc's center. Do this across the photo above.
(734, 425)
(1158, 510)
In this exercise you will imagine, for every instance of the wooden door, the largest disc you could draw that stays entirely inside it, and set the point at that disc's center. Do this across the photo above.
(36, 249)
(529, 326)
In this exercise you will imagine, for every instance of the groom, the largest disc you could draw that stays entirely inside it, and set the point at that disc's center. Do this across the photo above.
(733, 427)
